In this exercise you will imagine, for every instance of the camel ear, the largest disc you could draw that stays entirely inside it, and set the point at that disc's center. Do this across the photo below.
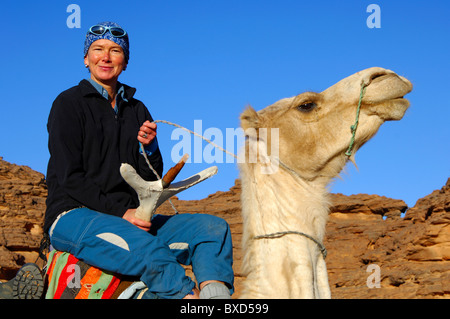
(249, 118)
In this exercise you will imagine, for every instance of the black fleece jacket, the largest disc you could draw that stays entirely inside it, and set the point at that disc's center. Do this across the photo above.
(88, 142)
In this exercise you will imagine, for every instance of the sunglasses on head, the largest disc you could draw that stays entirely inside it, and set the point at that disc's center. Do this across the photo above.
(101, 30)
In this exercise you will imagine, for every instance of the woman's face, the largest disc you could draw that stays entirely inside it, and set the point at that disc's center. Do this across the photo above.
(106, 61)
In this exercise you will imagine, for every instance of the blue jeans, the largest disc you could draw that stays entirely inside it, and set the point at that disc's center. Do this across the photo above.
(114, 244)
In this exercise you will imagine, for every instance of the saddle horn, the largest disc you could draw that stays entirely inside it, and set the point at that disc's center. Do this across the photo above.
(152, 194)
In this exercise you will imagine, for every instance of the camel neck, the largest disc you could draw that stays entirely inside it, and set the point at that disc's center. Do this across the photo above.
(281, 202)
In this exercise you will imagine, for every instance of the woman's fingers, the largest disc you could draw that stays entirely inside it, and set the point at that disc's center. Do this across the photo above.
(147, 133)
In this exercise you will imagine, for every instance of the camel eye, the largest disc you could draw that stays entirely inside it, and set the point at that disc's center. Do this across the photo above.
(306, 107)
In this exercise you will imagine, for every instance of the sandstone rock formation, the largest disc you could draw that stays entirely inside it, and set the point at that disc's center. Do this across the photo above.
(22, 206)
(412, 253)
(367, 236)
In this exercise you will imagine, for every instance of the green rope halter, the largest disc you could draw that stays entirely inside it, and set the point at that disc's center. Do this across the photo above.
(355, 126)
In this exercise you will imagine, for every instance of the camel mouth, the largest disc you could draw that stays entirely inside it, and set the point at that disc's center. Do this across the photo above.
(399, 101)
(395, 99)
(392, 109)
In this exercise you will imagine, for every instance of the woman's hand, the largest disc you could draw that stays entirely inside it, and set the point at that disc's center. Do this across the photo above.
(130, 215)
(147, 133)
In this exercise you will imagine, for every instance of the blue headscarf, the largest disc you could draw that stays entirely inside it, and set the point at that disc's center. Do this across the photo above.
(122, 41)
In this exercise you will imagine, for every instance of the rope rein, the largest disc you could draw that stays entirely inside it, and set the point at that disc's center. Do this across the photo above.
(322, 248)
(348, 153)
(267, 236)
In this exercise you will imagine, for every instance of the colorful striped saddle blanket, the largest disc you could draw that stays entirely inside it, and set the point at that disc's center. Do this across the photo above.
(71, 278)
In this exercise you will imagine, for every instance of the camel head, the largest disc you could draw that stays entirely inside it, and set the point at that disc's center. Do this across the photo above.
(314, 128)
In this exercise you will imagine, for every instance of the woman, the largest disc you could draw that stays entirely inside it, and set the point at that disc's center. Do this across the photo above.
(93, 128)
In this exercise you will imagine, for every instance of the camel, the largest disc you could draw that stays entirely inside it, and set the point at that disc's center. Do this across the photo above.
(285, 210)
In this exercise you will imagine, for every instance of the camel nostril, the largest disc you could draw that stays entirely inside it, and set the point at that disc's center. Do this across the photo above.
(376, 76)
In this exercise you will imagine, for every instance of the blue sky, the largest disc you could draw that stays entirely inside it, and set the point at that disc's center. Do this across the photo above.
(208, 59)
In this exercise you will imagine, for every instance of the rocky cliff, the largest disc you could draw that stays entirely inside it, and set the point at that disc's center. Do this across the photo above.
(377, 246)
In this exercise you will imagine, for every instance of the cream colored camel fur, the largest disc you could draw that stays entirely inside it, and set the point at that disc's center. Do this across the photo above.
(313, 135)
